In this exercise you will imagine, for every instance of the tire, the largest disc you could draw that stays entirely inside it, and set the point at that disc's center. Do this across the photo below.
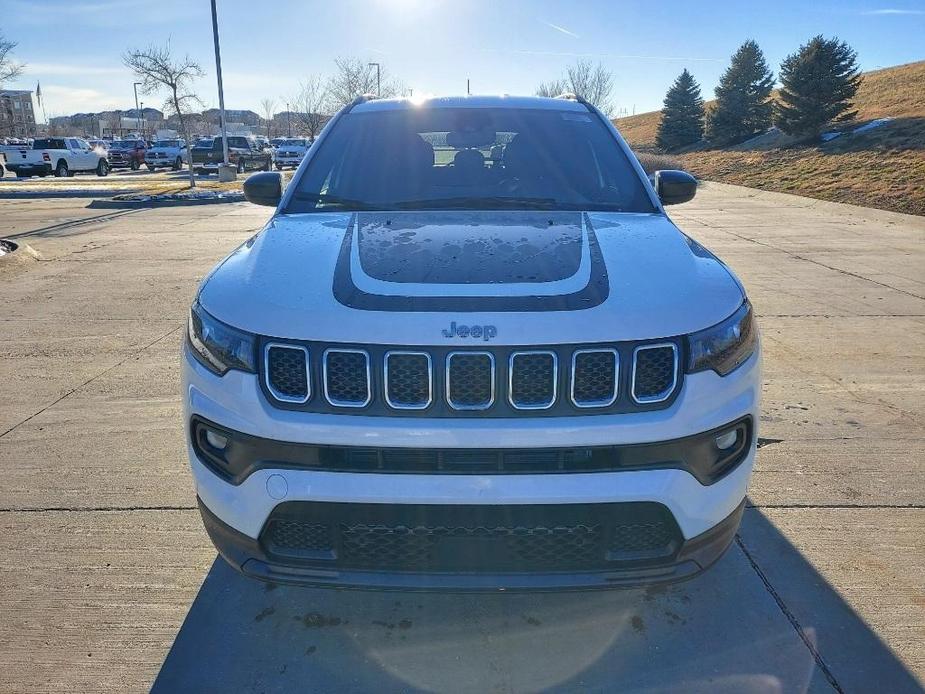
(279, 167)
(241, 165)
(178, 164)
(21, 174)
(151, 168)
(102, 168)
(134, 166)
(267, 165)
(61, 170)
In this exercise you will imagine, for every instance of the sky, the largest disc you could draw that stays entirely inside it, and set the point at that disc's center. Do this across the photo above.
(74, 47)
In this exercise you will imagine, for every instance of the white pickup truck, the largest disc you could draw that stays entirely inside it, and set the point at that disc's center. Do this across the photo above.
(166, 153)
(62, 156)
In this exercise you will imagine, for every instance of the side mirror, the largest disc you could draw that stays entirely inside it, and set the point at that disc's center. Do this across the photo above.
(264, 188)
(674, 187)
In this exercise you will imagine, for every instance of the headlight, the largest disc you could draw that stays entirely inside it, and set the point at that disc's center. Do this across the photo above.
(217, 346)
(726, 345)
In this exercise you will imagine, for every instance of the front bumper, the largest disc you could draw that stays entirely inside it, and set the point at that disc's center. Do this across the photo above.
(694, 556)
(706, 515)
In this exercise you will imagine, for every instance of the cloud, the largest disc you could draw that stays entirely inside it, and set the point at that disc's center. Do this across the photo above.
(562, 30)
(63, 100)
(892, 11)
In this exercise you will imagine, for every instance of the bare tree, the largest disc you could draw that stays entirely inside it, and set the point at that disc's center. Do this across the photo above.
(160, 71)
(266, 107)
(353, 77)
(9, 69)
(552, 89)
(313, 105)
(594, 83)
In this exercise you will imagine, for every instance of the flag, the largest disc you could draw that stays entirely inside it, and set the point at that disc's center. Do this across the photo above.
(38, 91)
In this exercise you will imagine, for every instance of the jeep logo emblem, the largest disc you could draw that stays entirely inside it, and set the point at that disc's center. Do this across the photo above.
(485, 332)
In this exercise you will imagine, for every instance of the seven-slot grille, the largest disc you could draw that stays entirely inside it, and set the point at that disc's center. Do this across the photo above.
(506, 381)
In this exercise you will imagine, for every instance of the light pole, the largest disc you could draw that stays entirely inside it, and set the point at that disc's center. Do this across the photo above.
(135, 87)
(378, 84)
(143, 128)
(288, 122)
(221, 93)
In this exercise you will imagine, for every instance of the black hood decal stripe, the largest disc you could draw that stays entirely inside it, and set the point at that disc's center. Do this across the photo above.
(592, 292)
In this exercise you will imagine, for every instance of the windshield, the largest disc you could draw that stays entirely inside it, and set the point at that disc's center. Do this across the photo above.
(470, 158)
(292, 143)
(167, 143)
(204, 143)
(124, 144)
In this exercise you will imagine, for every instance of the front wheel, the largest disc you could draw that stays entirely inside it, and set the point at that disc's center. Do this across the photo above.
(279, 167)
(241, 165)
(178, 164)
(61, 170)
(102, 169)
(151, 168)
(134, 165)
(268, 165)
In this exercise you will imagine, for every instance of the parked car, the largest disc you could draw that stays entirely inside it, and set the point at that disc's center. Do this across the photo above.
(274, 143)
(467, 374)
(243, 152)
(291, 151)
(164, 153)
(130, 153)
(2, 165)
(63, 156)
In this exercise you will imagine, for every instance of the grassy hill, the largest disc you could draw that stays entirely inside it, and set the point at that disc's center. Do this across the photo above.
(883, 167)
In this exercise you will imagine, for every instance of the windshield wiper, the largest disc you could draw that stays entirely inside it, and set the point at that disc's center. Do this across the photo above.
(479, 203)
(335, 201)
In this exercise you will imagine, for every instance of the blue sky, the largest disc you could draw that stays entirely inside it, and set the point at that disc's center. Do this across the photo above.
(433, 46)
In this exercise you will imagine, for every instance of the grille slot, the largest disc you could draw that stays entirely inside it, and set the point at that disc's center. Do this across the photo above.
(347, 377)
(595, 377)
(470, 380)
(286, 368)
(532, 380)
(408, 380)
(655, 372)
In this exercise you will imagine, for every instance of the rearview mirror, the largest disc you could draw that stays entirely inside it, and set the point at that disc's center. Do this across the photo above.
(264, 188)
(674, 187)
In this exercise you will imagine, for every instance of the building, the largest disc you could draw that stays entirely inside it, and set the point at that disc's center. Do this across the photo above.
(17, 114)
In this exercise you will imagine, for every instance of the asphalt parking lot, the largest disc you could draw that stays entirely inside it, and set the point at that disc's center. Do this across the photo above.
(109, 583)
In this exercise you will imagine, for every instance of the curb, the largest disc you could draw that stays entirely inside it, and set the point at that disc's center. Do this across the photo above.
(134, 204)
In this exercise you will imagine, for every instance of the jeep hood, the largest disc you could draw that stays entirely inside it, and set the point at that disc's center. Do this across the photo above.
(537, 277)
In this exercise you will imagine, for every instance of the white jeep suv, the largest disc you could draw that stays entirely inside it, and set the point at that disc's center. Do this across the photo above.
(471, 351)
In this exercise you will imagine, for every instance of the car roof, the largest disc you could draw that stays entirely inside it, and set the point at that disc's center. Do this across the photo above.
(499, 101)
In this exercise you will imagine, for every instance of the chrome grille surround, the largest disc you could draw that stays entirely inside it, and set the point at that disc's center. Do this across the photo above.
(395, 404)
(327, 375)
(665, 393)
(449, 377)
(615, 390)
(268, 372)
(554, 378)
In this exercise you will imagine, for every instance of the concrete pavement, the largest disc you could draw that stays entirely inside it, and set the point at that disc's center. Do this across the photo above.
(108, 583)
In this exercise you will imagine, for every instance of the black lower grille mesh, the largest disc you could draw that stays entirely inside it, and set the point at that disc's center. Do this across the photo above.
(471, 538)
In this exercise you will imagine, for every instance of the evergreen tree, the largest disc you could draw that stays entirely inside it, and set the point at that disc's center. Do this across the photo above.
(682, 115)
(742, 107)
(818, 83)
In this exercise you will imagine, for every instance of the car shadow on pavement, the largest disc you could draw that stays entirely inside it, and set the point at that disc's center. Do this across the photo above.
(729, 630)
